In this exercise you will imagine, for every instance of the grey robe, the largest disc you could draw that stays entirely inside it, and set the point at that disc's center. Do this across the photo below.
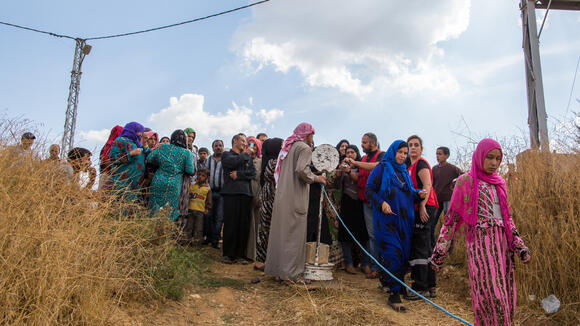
(287, 241)
(255, 213)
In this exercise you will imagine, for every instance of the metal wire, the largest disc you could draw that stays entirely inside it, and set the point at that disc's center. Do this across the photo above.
(137, 32)
(177, 24)
(38, 31)
(386, 270)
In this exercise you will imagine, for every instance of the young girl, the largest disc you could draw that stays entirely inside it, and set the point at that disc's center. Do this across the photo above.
(480, 201)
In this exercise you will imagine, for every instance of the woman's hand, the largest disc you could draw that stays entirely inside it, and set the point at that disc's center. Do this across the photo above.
(135, 152)
(321, 179)
(423, 214)
(526, 258)
(434, 267)
(386, 208)
(423, 193)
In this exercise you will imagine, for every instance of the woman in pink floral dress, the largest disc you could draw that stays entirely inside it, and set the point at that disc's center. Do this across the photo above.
(480, 201)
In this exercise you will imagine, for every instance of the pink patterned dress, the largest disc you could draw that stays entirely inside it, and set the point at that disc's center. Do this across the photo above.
(490, 262)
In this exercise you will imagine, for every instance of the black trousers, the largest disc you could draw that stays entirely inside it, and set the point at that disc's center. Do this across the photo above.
(421, 249)
(236, 225)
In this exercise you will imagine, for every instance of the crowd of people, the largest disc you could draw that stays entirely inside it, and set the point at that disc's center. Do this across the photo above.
(260, 201)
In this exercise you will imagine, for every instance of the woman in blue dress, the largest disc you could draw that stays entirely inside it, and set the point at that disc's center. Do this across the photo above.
(390, 190)
(173, 161)
(127, 159)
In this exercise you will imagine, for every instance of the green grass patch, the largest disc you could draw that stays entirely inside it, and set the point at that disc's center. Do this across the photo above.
(228, 318)
(218, 282)
(179, 268)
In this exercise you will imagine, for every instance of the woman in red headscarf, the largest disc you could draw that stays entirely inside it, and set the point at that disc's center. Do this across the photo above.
(480, 201)
(105, 182)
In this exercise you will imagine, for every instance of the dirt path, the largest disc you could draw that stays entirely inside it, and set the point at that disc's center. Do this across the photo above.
(348, 300)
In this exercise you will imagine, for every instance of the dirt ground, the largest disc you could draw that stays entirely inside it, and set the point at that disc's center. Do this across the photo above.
(347, 300)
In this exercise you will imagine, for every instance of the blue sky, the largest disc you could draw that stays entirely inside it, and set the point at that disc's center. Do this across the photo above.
(393, 68)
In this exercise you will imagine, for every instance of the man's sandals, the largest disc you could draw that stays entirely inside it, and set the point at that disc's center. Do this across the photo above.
(395, 302)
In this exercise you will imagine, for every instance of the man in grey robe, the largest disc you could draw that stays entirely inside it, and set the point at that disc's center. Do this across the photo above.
(286, 253)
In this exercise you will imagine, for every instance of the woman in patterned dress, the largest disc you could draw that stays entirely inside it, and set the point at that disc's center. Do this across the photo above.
(270, 150)
(480, 201)
(173, 162)
(127, 159)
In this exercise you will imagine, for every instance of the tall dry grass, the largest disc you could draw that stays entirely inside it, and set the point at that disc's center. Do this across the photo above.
(545, 201)
(67, 257)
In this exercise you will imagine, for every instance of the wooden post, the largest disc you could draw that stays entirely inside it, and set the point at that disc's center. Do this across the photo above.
(537, 117)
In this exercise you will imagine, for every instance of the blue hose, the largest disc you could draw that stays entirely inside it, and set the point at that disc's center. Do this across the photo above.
(387, 271)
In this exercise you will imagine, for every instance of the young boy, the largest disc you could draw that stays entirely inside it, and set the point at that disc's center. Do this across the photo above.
(199, 205)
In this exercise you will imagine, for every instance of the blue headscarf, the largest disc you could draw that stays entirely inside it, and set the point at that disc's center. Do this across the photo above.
(130, 132)
(390, 165)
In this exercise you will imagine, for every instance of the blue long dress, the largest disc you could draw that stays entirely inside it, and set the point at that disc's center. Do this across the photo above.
(172, 161)
(393, 232)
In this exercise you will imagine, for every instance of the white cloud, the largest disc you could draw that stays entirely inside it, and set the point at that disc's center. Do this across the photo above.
(188, 111)
(98, 136)
(270, 115)
(357, 47)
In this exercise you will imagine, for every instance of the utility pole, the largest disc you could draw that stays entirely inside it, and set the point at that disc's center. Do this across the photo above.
(537, 117)
(68, 137)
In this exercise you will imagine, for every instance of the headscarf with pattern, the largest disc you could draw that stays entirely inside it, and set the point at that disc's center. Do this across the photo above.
(300, 133)
(179, 138)
(130, 132)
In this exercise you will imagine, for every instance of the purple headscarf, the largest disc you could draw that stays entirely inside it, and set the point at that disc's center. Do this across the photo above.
(130, 132)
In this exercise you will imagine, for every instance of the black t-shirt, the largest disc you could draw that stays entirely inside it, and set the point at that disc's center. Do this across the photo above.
(372, 154)
(420, 166)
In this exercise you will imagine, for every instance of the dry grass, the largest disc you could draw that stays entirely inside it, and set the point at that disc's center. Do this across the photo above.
(545, 201)
(67, 257)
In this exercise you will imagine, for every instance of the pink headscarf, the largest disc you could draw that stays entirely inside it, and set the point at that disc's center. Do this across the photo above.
(300, 133)
(150, 134)
(466, 194)
(258, 145)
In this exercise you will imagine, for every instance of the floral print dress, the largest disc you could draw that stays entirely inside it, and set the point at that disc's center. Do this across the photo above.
(173, 162)
(490, 261)
(127, 172)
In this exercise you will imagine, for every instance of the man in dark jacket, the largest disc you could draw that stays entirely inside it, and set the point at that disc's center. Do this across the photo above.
(238, 169)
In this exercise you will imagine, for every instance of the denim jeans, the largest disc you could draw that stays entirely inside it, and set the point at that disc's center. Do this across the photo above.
(371, 245)
(216, 217)
(347, 254)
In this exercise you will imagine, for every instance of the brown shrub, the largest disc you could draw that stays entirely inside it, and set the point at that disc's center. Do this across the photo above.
(67, 256)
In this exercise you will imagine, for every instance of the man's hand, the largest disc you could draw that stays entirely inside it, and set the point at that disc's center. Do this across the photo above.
(423, 194)
(234, 175)
(321, 179)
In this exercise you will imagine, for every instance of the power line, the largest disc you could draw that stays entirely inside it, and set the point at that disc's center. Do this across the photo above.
(573, 82)
(37, 30)
(177, 24)
(137, 32)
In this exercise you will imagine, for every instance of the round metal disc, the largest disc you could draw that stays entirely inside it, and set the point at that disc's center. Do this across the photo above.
(325, 158)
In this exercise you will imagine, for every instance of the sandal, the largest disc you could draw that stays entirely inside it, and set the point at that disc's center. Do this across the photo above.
(372, 275)
(395, 303)
(302, 281)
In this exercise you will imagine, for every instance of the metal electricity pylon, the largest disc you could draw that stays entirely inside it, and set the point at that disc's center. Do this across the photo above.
(68, 138)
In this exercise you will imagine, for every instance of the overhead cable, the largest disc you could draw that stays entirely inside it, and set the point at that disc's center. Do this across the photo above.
(137, 32)
(37, 30)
